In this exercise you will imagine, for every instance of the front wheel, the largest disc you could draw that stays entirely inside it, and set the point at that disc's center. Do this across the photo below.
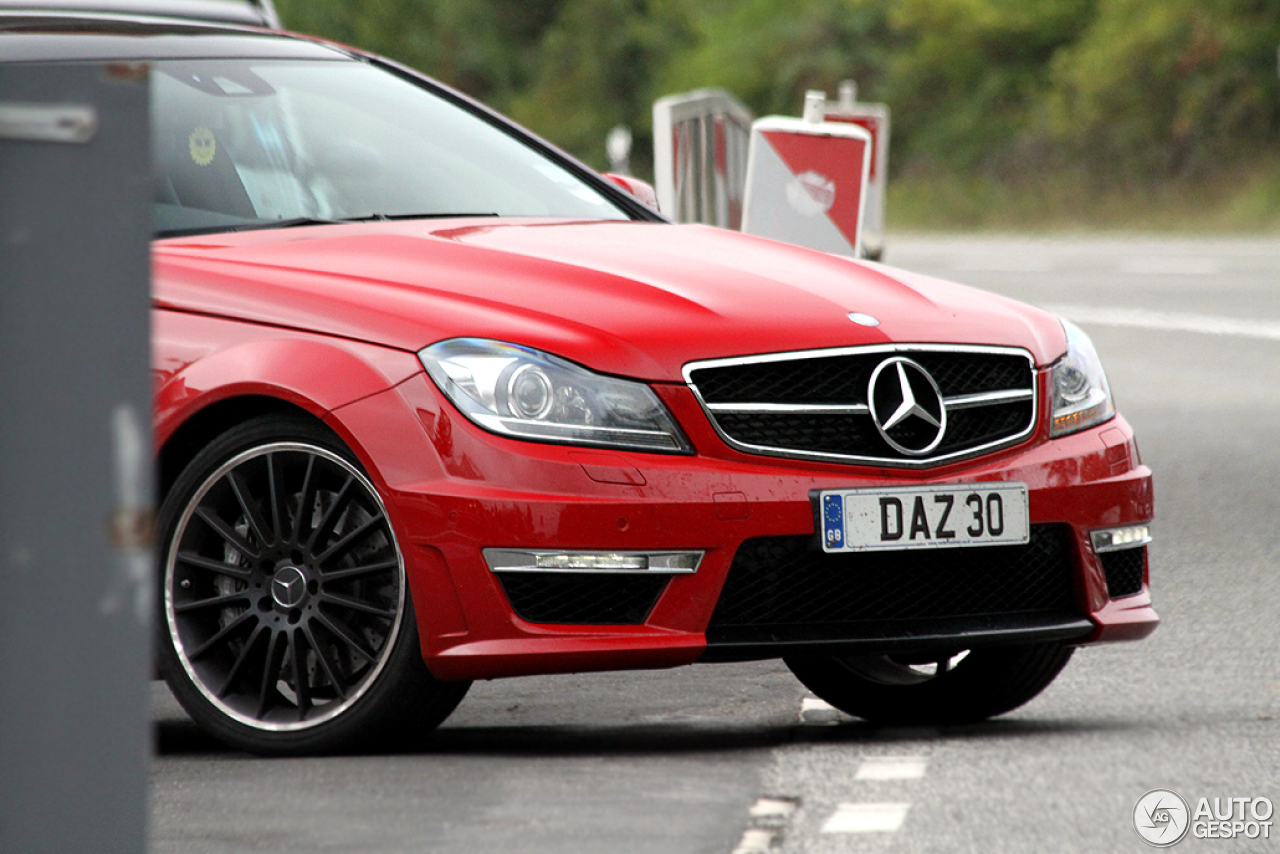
(952, 686)
(287, 624)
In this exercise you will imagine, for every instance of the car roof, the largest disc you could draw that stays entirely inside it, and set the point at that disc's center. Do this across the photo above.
(76, 36)
(251, 12)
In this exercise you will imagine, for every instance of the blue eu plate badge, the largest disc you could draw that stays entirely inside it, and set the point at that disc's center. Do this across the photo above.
(833, 520)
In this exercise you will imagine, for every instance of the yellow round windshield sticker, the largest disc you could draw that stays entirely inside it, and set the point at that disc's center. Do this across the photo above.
(203, 146)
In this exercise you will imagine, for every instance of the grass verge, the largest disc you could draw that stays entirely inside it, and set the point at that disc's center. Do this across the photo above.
(1246, 201)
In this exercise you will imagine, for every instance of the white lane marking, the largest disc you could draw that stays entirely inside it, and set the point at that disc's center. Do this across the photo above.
(813, 704)
(1171, 265)
(997, 260)
(1170, 321)
(772, 811)
(756, 842)
(892, 768)
(769, 817)
(818, 712)
(867, 818)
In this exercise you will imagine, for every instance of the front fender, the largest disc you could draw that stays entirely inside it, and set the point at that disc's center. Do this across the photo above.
(198, 361)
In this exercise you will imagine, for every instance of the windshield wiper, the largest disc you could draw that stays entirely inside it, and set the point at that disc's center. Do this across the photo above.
(246, 226)
(381, 217)
(297, 221)
(293, 222)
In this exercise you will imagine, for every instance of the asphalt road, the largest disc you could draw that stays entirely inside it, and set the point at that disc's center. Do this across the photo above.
(725, 758)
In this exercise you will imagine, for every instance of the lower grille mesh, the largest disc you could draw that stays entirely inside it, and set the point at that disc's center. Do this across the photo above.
(1124, 570)
(781, 583)
(578, 598)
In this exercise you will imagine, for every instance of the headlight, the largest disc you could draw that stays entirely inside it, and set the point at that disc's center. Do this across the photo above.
(1081, 396)
(519, 392)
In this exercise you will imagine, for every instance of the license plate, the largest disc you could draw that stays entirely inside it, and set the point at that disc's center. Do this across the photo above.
(924, 517)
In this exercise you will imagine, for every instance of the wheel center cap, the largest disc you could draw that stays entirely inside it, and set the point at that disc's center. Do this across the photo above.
(289, 587)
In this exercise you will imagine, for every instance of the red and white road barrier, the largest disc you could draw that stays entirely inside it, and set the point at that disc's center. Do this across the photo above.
(700, 156)
(807, 180)
(874, 118)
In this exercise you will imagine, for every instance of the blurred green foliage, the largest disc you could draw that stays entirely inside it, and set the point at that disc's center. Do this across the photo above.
(1106, 92)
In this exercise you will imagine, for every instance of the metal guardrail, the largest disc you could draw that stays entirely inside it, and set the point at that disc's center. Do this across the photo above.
(700, 142)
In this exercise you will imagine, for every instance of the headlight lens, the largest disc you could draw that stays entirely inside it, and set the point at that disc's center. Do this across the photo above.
(526, 394)
(1081, 396)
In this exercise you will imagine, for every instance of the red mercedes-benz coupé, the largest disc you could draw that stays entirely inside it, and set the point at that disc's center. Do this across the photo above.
(435, 403)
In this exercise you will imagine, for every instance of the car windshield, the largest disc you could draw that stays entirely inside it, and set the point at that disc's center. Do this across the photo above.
(246, 143)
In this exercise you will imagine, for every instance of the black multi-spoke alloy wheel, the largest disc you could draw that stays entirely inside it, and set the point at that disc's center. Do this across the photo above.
(287, 624)
(953, 686)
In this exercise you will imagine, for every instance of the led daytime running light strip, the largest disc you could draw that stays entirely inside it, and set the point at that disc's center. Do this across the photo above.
(520, 560)
(1116, 539)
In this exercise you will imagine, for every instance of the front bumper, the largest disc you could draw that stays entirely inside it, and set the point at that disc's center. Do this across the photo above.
(454, 491)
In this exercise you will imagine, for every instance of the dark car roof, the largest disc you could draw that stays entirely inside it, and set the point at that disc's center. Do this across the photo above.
(27, 36)
(252, 12)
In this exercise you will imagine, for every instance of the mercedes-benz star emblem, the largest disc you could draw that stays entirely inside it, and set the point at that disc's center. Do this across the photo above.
(906, 406)
(289, 587)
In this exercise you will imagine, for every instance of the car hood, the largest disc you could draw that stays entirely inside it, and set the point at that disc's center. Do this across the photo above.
(627, 298)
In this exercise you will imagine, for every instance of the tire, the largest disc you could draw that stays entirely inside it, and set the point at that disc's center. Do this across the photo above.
(940, 688)
(287, 627)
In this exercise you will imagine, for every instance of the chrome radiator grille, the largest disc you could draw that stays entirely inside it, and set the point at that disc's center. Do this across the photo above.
(910, 405)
